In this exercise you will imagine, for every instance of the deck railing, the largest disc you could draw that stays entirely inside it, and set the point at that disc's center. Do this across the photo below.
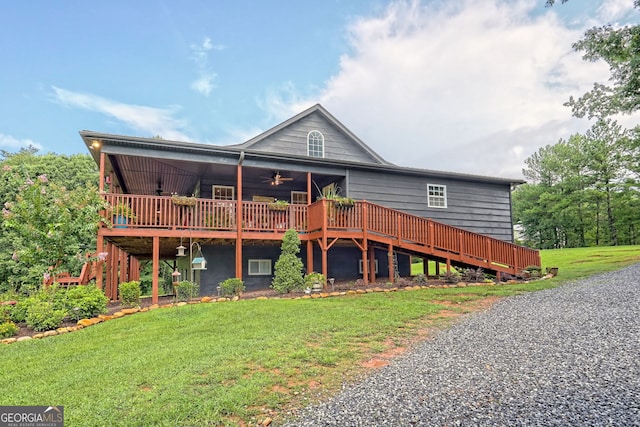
(404, 229)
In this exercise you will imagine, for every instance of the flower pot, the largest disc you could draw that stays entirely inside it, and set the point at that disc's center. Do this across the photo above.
(120, 221)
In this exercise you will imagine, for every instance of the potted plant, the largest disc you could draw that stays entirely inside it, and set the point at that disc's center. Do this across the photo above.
(121, 215)
(314, 281)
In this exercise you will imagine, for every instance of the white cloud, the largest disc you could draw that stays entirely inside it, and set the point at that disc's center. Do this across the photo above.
(456, 85)
(204, 84)
(150, 120)
(10, 143)
(615, 10)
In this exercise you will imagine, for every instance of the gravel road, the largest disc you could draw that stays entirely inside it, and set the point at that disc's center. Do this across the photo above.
(568, 356)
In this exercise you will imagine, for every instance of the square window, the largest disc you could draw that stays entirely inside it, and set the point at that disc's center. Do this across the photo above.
(436, 196)
(223, 192)
(259, 267)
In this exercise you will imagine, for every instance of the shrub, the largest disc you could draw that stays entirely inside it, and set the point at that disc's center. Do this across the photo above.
(473, 275)
(8, 329)
(231, 286)
(451, 276)
(288, 268)
(187, 290)
(130, 293)
(85, 302)
(21, 309)
(420, 278)
(43, 316)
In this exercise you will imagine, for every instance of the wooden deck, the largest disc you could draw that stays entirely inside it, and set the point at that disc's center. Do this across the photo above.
(363, 224)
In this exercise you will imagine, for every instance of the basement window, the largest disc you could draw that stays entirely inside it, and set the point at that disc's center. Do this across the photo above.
(360, 266)
(259, 267)
(436, 196)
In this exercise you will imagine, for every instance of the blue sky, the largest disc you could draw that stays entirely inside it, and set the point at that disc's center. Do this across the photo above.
(472, 86)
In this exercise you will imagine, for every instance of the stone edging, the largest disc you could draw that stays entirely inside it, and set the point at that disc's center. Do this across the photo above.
(83, 323)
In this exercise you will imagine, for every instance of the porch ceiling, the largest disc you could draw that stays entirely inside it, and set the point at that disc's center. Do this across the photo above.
(150, 176)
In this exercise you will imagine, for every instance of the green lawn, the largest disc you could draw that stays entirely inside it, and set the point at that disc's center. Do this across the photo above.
(236, 363)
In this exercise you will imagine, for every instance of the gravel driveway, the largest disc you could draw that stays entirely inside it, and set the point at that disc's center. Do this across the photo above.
(568, 356)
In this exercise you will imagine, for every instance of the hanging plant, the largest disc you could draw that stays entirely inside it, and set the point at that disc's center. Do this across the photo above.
(183, 200)
(279, 205)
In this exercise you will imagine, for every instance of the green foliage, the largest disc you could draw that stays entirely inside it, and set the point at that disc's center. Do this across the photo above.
(53, 295)
(584, 191)
(420, 278)
(231, 286)
(130, 293)
(8, 329)
(288, 268)
(44, 316)
(186, 290)
(451, 276)
(49, 217)
(85, 302)
(620, 48)
(313, 278)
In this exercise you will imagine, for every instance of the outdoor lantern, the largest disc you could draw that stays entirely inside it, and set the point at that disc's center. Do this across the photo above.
(175, 276)
(181, 250)
(199, 263)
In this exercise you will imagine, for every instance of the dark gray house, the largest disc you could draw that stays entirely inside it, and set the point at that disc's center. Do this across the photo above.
(357, 215)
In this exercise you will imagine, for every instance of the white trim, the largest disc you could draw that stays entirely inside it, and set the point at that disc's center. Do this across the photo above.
(437, 200)
(263, 264)
(375, 261)
(321, 143)
(225, 187)
(299, 192)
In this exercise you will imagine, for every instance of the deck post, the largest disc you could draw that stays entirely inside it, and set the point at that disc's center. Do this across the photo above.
(239, 225)
(372, 264)
(100, 266)
(156, 269)
(392, 275)
(309, 256)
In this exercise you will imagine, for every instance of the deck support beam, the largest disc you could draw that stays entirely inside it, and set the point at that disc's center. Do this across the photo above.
(392, 276)
(239, 226)
(155, 269)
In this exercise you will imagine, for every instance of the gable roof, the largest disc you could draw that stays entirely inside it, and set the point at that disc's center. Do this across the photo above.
(320, 110)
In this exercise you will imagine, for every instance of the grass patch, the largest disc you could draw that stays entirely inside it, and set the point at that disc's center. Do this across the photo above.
(235, 363)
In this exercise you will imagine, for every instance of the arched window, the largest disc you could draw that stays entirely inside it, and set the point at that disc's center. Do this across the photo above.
(315, 144)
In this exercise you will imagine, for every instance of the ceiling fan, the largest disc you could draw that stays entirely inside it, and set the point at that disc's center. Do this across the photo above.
(276, 179)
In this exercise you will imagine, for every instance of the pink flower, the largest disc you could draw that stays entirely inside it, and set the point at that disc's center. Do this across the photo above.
(14, 256)
(6, 212)
(102, 256)
(43, 178)
(29, 181)
(6, 168)
(46, 277)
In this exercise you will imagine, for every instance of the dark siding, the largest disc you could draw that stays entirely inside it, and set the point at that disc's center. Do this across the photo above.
(478, 207)
(293, 140)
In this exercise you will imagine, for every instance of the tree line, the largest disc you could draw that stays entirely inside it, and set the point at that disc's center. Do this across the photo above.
(585, 190)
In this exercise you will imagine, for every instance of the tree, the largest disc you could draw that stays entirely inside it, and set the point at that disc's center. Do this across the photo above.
(48, 220)
(288, 268)
(620, 48)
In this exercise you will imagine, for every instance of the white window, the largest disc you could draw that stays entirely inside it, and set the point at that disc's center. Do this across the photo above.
(360, 266)
(315, 144)
(436, 196)
(299, 197)
(223, 192)
(259, 267)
